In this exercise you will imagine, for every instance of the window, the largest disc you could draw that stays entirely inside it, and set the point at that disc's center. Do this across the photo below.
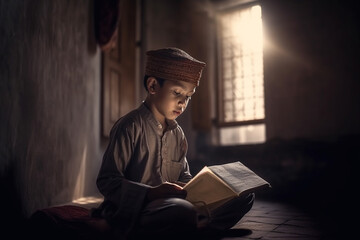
(241, 81)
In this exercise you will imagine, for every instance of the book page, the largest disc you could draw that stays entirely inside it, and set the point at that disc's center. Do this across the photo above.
(215, 205)
(207, 188)
(239, 177)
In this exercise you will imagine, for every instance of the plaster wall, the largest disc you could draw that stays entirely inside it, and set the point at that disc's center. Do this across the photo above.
(49, 101)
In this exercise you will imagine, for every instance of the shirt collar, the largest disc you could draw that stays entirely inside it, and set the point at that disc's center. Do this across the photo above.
(145, 111)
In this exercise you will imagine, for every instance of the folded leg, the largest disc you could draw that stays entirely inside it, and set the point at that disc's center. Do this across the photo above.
(167, 217)
(231, 212)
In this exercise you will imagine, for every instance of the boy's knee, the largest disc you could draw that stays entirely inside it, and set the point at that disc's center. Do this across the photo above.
(171, 211)
(172, 215)
(182, 211)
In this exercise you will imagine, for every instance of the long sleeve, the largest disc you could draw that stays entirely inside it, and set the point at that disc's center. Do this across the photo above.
(128, 196)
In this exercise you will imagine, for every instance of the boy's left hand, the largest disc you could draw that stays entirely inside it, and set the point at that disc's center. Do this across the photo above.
(166, 190)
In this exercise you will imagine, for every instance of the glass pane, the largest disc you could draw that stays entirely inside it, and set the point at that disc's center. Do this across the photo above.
(241, 54)
(243, 135)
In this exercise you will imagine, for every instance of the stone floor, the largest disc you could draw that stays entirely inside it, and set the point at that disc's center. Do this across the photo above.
(272, 220)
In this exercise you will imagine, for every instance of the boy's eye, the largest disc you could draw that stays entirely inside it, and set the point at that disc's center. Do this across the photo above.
(176, 93)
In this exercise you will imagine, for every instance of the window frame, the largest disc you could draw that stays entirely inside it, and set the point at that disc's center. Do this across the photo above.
(220, 120)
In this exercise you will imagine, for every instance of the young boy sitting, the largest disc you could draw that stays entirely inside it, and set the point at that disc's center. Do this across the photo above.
(145, 162)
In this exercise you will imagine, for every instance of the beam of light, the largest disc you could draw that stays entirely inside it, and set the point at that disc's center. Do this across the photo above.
(80, 181)
(274, 51)
(87, 200)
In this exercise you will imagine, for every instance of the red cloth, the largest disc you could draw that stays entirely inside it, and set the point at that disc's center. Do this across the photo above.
(68, 221)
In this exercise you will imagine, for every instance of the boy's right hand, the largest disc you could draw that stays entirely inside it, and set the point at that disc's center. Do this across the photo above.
(166, 190)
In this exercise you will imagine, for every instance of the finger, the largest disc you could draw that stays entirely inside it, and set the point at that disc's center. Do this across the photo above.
(172, 186)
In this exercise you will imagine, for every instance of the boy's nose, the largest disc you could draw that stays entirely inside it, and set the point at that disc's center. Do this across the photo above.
(182, 101)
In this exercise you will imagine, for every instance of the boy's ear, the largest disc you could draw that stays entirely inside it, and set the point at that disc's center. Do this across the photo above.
(151, 84)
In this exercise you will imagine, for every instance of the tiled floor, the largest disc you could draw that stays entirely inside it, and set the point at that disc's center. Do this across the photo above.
(272, 220)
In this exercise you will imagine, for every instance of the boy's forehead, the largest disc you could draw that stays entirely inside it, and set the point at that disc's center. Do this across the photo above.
(184, 85)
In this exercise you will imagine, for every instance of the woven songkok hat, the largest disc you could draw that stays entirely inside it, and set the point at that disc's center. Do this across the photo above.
(173, 64)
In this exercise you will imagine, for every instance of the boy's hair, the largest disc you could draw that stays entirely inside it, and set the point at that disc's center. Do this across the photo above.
(159, 80)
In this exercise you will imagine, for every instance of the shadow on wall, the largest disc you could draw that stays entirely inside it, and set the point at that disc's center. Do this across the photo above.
(10, 202)
(316, 175)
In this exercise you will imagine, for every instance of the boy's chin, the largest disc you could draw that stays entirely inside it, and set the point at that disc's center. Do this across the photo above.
(172, 117)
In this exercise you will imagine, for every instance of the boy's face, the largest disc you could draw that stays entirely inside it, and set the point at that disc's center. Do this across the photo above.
(172, 98)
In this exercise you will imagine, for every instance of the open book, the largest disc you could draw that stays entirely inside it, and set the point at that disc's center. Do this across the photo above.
(217, 184)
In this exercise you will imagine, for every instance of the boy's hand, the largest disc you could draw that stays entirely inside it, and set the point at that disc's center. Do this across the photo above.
(182, 184)
(166, 190)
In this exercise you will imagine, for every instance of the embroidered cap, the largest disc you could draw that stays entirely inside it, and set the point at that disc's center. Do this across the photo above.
(173, 64)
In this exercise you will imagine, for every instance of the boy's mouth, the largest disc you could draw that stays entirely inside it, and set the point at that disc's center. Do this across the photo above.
(177, 112)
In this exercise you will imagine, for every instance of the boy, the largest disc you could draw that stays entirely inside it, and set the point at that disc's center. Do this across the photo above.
(145, 162)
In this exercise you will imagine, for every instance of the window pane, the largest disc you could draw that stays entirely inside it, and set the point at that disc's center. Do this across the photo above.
(242, 135)
(241, 53)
